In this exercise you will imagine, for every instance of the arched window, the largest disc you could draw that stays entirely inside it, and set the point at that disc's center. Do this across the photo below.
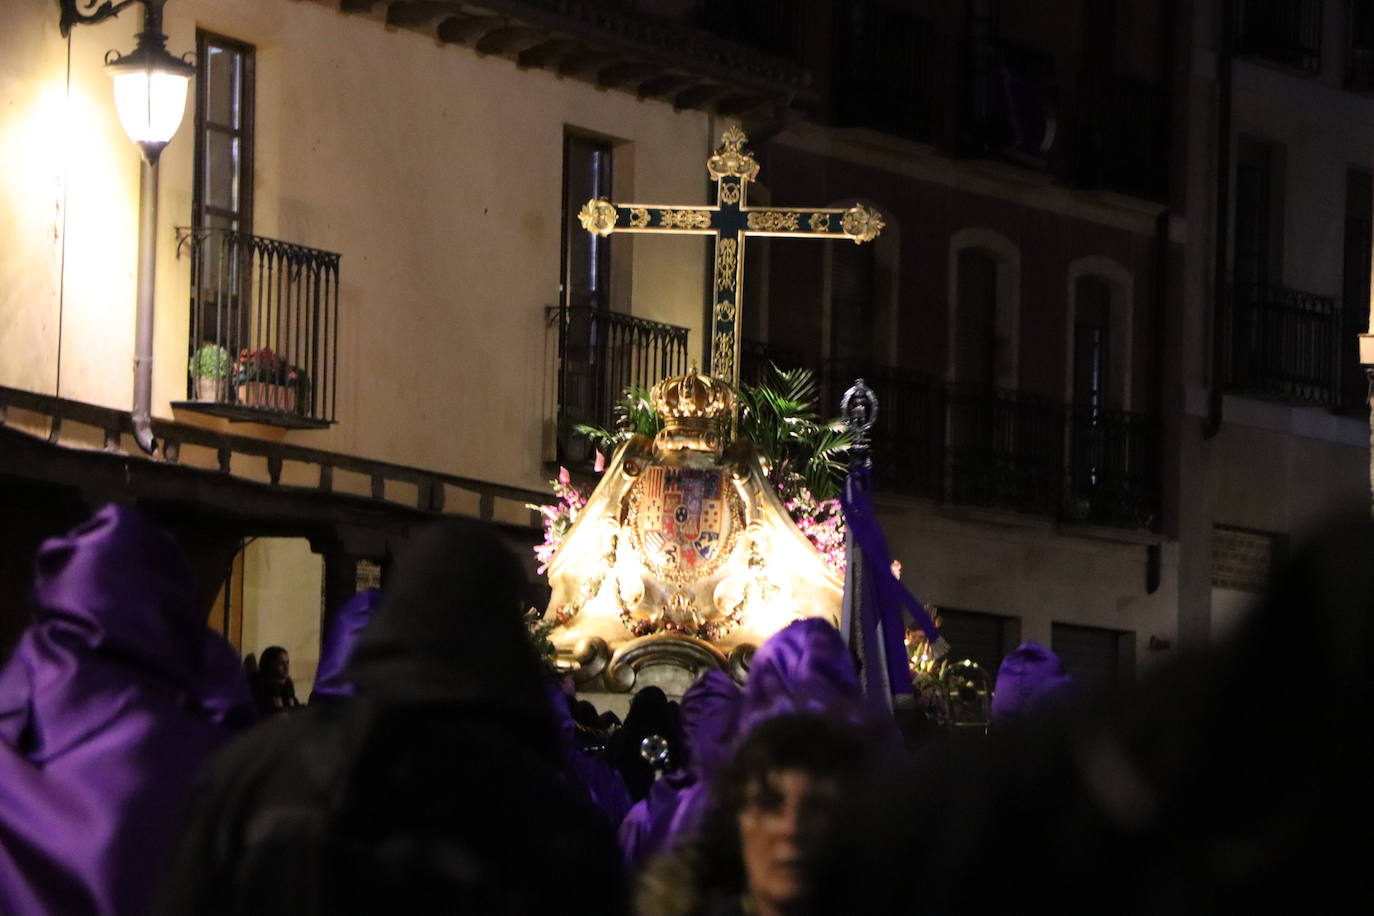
(984, 308)
(861, 298)
(975, 329)
(1092, 335)
(1098, 375)
(854, 307)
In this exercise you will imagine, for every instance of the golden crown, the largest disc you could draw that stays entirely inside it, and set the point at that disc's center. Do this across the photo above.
(693, 396)
(693, 407)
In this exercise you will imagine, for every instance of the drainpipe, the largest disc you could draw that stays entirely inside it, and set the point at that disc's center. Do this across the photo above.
(143, 319)
(1220, 291)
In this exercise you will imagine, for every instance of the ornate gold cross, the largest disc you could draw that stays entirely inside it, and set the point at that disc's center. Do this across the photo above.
(731, 220)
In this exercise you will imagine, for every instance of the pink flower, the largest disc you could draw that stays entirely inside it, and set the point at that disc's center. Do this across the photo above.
(600, 464)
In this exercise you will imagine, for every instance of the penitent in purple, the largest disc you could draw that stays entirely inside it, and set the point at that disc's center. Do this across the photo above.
(114, 696)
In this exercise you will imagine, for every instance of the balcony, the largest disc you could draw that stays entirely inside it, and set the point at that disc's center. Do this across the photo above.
(976, 445)
(1004, 449)
(908, 437)
(1012, 106)
(1284, 345)
(600, 354)
(1120, 137)
(754, 357)
(1287, 32)
(264, 341)
(883, 71)
(1114, 469)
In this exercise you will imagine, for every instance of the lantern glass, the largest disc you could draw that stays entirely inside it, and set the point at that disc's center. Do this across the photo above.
(150, 102)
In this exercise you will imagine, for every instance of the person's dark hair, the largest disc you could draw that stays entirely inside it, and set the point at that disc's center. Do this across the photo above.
(268, 660)
(585, 714)
(807, 742)
(650, 714)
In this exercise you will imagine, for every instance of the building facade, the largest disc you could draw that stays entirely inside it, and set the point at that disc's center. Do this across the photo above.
(1086, 437)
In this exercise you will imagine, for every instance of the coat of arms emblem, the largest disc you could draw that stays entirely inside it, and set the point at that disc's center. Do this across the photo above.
(686, 520)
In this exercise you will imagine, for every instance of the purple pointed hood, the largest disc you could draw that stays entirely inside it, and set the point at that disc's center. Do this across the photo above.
(340, 636)
(1029, 679)
(804, 667)
(677, 801)
(114, 696)
(113, 600)
(710, 715)
(601, 780)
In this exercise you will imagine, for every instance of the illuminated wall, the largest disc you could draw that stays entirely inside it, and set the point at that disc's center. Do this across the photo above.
(436, 173)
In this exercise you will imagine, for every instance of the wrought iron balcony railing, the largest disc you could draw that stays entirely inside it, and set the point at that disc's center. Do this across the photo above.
(600, 354)
(1284, 344)
(976, 445)
(1004, 449)
(908, 447)
(1287, 32)
(264, 342)
(755, 356)
(1114, 473)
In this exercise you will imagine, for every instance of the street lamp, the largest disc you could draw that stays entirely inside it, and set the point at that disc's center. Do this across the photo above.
(150, 86)
(150, 96)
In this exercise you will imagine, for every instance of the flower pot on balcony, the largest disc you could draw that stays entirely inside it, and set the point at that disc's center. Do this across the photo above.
(268, 396)
(210, 388)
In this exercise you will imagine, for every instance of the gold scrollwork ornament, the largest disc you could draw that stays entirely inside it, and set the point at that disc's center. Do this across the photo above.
(820, 222)
(727, 264)
(861, 223)
(730, 193)
(730, 159)
(639, 217)
(773, 221)
(598, 216)
(723, 355)
(684, 219)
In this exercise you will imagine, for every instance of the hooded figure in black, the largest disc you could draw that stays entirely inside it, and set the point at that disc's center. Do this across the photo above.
(440, 788)
(1235, 780)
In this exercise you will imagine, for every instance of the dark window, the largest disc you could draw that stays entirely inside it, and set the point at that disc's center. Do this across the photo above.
(984, 638)
(881, 70)
(1359, 204)
(223, 195)
(1096, 657)
(1255, 224)
(854, 322)
(1287, 32)
(976, 317)
(594, 348)
(775, 26)
(1359, 53)
(586, 256)
(1091, 342)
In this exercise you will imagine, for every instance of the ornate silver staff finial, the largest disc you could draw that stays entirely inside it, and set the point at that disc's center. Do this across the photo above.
(859, 410)
(654, 749)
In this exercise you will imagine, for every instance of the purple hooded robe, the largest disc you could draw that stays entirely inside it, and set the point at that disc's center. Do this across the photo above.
(1028, 680)
(340, 636)
(602, 781)
(114, 696)
(804, 667)
(676, 802)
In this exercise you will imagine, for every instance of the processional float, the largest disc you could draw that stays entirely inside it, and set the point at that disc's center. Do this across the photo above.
(684, 558)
